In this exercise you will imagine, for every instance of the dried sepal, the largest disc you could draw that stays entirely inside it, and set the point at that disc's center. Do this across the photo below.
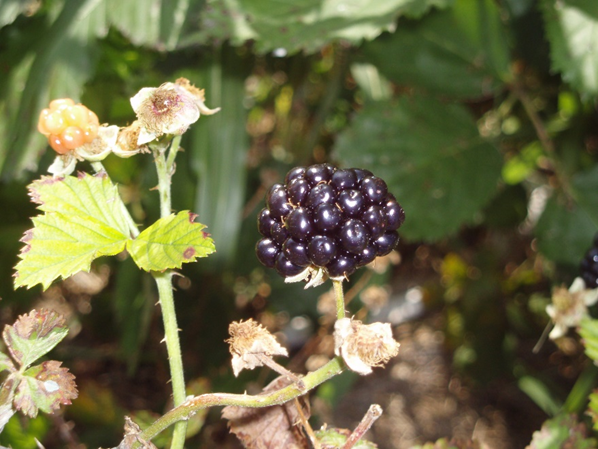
(249, 342)
(131, 437)
(363, 346)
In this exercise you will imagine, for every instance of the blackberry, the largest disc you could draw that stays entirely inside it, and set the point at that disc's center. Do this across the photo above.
(589, 266)
(328, 221)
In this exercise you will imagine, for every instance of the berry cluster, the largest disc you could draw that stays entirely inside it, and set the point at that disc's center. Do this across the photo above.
(327, 218)
(67, 125)
(589, 266)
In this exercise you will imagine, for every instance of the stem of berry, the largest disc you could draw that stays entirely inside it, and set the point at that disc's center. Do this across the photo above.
(165, 169)
(192, 405)
(340, 298)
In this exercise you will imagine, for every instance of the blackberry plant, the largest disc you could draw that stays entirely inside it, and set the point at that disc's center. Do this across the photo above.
(326, 221)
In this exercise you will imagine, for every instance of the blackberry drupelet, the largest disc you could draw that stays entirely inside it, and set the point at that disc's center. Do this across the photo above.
(327, 219)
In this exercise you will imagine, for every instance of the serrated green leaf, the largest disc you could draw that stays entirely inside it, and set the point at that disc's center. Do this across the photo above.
(572, 30)
(45, 387)
(562, 431)
(461, 51)
(34, 335)
(304, 24)
(432, 158)
(170, 242)
(83, 220)
(588, 330)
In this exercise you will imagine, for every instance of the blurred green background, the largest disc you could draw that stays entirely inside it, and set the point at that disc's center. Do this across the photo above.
(480, 115)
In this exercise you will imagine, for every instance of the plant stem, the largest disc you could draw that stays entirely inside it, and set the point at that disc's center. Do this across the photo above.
(373, 413)
(165, 169)
(340, 299)
(192, 405)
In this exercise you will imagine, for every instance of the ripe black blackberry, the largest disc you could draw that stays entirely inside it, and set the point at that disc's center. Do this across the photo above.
(589, 266)
(327, 221)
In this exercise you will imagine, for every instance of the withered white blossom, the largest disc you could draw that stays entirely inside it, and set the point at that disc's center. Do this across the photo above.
(569, 307)
(168, 109)
(363, 346)
(249, 343)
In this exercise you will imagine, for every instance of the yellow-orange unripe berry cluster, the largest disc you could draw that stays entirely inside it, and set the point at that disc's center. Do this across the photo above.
(67, 125)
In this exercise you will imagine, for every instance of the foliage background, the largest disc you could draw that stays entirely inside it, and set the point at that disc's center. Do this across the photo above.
(480, 114)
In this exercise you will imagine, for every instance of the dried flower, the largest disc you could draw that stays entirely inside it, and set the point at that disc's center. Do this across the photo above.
(569, 307)
(250, 342)
(363, 346)
(168, 109)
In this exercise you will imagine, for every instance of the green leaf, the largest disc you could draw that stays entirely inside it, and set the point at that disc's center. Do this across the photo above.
(461, 51)
(562, 431)
(572, 30)
(6, 363)
(10, 9)
(588, 330)
(170, 242)
(432, 157)
(220, 189)
(156, 23)
(540, 394)
(34, 335)
(332, 437)
(567, 226)
(84, 219)
(44, 387)
(304, 24)
(593, 408)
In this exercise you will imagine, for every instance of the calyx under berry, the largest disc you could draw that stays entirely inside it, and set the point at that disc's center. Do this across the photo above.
(327, 222)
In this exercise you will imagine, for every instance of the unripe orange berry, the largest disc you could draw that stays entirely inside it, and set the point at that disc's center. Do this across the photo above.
(57, 145)
(52, 122)
(61, 103)
(75, 115)
(72, 137)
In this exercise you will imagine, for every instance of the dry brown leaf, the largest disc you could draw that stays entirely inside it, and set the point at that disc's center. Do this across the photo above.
(272, 427)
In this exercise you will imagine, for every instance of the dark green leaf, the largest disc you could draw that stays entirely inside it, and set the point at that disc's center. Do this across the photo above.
(432, 157)
(461, 51)
(218, 151)
(304, 24)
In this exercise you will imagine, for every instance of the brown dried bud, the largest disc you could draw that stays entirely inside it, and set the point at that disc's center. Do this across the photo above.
(363, 346)
(250, 342)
